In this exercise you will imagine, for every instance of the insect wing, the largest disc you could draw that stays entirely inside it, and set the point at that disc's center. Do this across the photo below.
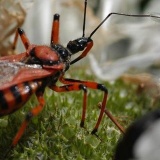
(8, 71)
(17, 72)
(14, 58)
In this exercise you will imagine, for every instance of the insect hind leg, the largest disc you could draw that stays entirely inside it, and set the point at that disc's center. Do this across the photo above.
(34, 112)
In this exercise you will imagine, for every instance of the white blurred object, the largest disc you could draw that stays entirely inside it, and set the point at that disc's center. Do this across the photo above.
(148, 145)
(113, 70)
(141, 140)
(129, 42)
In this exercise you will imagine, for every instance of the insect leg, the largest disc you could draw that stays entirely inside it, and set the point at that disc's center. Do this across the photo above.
(112, 119)
(94, 85)
(75, 87)
(55, 30)
(24, 38)
(34, 112)
(84, 53)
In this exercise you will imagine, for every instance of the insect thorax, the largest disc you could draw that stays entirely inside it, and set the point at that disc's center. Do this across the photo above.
(51, 80)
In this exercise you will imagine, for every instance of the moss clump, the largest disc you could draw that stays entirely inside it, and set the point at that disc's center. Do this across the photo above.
(55, 133)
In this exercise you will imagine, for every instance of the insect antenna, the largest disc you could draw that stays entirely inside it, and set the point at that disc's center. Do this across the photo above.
(122, 14)
(84, 18)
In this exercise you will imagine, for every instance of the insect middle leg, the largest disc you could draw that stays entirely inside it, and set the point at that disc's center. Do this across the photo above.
(75, 85)
(102, 106)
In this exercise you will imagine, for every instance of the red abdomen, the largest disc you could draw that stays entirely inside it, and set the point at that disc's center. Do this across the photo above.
(12, 98)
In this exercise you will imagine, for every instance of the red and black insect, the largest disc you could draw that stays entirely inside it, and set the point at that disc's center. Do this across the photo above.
(42, 66)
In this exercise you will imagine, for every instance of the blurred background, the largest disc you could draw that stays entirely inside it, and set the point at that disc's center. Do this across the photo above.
(121, 45)
(125, 48)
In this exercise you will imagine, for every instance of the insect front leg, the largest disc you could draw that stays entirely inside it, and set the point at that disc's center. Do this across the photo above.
(84, 53)
(34, 112)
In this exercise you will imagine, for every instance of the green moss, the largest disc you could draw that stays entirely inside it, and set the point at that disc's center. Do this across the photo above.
(55, 133)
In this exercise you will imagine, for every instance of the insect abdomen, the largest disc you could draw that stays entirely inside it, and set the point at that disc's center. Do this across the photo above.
(12, 98)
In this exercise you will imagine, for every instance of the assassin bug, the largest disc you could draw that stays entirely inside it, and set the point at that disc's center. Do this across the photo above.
(42, 66)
